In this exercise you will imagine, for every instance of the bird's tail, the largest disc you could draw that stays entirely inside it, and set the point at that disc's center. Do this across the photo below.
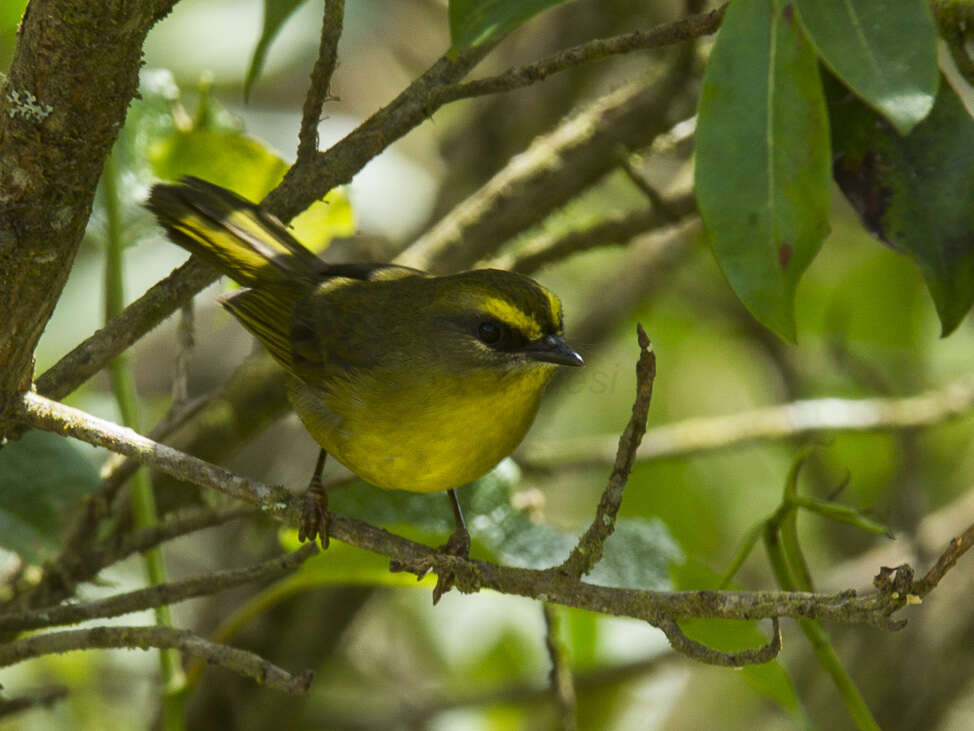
(240, 239)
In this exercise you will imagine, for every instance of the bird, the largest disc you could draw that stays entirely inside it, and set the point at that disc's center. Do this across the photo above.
(412, 381)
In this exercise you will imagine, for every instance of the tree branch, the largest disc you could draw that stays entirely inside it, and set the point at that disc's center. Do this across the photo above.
(955, 549)
(562, 682)
(798, 418)
(691, 648)
(157, 595)
(155, 305)
(470, 575)
(81, 561)
(308, 181)
(331, 32)
(142, 638)
(617, 229)
(588, 552)
(554, 169)
(668, 34)
(45, 697)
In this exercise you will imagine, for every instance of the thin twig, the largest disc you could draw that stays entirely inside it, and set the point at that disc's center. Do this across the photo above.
(157, 595)
(70, 568)
(318, 94)
(955, 549)
(309, 180)
(668, 34)
(142, 638)
(119, 547)
(666, 210)
(45, 697)
(555, 168)
(186, 337)
(588, 552)
(615, 229)
(691, 648)
(159, 301)
(562, 683)
(414, 714)
(648, 266)
(52, 416)
(798, 418)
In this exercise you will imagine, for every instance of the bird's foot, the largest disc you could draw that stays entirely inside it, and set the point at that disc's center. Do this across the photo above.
(457, 545)
(315, 519)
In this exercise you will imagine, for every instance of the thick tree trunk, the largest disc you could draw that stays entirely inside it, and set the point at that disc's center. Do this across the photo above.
(75, 69)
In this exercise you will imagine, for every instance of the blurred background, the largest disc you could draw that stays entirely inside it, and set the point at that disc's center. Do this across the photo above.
(385, 657)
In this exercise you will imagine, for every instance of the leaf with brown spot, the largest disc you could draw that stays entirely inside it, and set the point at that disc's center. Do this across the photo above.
(913, 192)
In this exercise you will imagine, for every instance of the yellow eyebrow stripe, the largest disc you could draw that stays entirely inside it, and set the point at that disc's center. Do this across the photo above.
(513, 316)
(555, 306)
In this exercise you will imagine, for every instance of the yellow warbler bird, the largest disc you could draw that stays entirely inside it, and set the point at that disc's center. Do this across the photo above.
(413, 382)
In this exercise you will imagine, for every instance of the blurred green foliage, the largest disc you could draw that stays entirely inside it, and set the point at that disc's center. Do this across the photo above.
(864, 327)
(42, 478)
(473, 22)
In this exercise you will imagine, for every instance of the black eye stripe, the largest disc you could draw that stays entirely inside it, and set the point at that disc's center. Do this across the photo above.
(499, 335)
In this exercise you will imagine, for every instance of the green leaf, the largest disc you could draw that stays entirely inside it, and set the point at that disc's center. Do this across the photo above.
(225, 157)
(731, 635)
(10, 14)
(914, 192)
(276, 13)
(342, 565)
(473, 22)
(581, 634)
(42, 475)
(771, 679)
(510, 657)
(216, 149)
(842, 514)
(762, 157)
(637, 555)
(884, 50)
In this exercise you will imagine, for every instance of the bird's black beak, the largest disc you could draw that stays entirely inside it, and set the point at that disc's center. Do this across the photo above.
(553, 349)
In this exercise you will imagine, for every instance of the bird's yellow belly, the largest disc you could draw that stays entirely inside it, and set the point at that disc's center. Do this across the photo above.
(422, 439)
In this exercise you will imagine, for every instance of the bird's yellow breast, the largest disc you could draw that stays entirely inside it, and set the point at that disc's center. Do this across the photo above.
(434, 432)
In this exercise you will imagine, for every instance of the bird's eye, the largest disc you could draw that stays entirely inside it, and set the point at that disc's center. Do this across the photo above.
(489, 332)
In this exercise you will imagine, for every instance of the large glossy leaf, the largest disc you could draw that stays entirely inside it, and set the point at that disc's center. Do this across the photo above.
(884, 50)
(762, 160)
(41, 475)
(276, 12)
(914, 192)
(477, 21)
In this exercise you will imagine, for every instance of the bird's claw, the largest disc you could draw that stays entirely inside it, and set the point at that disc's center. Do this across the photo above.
(315, 519)
(458, 544)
